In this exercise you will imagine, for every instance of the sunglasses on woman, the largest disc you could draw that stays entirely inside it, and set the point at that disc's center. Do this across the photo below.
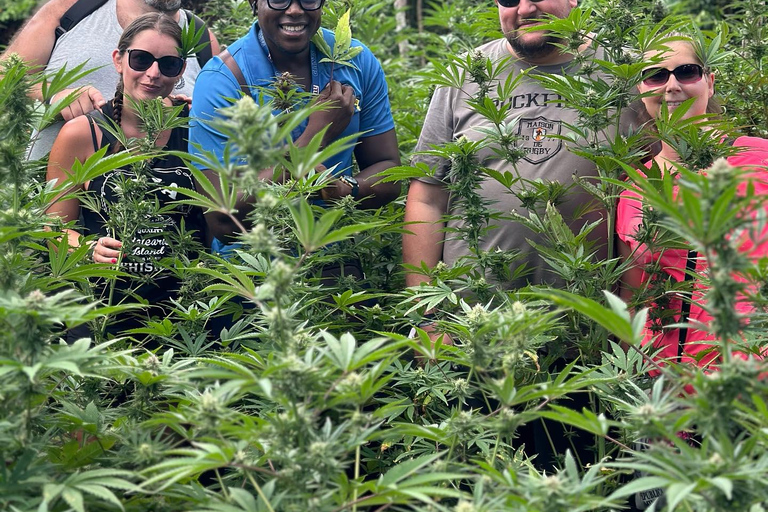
(142, 60)
(514, 3)
(685, 74)
(307, 5)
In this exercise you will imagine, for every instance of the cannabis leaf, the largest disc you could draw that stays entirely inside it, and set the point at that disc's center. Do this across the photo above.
(343, 51)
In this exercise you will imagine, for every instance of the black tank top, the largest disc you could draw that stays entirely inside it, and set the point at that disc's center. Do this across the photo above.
(153, 232)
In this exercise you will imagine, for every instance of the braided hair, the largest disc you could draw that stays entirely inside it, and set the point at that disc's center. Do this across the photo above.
(156, 21)
(117, 103)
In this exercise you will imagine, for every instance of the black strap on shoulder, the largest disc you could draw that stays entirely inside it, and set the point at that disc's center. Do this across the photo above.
(229, 61)
(206, 53)
(76, 14)
(97, 118)
(685, 309)
(92, 125)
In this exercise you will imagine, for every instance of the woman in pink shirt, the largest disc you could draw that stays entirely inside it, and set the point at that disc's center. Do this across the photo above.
(679, 77)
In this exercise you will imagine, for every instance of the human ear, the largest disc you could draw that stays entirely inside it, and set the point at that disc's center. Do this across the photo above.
(117, 60)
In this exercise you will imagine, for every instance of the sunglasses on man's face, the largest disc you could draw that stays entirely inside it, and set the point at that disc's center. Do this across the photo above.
(685, 74)
(142, 60)
(514, 3)
(307, 5)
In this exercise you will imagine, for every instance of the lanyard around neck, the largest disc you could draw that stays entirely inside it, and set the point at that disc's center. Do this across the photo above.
(315, 89)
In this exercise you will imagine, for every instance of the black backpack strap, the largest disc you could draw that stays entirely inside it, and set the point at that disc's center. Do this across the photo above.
(75, 15)
(206, 53)
(685, 308)
(229, 61)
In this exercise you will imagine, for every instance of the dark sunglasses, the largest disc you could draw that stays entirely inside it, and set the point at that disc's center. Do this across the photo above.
(307, 5)
(514, 3)
(142, 60)
(685, 74)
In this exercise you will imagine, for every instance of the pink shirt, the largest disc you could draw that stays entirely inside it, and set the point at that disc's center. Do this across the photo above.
(672, 262)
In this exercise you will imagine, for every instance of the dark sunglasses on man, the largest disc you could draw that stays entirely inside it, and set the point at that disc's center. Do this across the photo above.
(685, 74)
(514, 3)
(142, 60)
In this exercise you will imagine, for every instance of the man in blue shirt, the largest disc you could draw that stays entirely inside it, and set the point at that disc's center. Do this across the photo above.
(278, 42)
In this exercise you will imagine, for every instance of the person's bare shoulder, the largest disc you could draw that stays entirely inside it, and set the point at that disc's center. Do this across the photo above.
(74, 141)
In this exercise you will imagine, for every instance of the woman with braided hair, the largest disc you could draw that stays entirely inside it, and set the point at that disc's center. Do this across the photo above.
(149, 64)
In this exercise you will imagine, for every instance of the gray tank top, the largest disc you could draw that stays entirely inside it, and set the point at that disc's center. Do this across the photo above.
(92, 41)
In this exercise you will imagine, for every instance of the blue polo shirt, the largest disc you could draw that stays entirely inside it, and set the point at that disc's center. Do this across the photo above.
(215, 84)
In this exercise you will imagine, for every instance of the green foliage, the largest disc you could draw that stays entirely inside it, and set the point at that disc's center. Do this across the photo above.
(229, 19)
(342, 52)
(11, 10)
(312, 397)
(190, 40)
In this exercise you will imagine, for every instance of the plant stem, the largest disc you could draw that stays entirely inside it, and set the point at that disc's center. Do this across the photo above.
(495, 450)
(112, 289)
(221, 483)
(260, 492)
(357, 475)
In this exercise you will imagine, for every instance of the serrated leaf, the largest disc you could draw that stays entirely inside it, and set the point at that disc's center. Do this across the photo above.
(723, 484)
(613, 321)
(639, 485)
(101, 492)
(406, 469)
(677, 492)
(321, 45)
(74, 499)
(343, 34)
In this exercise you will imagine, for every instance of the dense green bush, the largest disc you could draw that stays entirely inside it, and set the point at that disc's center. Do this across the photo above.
(313, 400)
(16, 10)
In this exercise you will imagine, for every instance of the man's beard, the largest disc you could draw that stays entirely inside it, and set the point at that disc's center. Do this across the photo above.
(532, 50)
(164, 5)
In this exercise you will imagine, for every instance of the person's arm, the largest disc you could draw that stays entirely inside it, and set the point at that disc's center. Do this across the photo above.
(425, 206)
(70, 145)
(74, 143)
(374, 155)
(339, 101)
(376, 148)
(34, 44)
(427, 201)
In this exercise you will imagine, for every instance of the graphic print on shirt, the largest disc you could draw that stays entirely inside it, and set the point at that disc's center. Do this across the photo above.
(535, 134)
(536, 138)
(150, 243)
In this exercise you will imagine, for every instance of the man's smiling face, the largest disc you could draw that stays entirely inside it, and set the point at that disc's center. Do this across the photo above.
(287, 32)
(535, 45)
